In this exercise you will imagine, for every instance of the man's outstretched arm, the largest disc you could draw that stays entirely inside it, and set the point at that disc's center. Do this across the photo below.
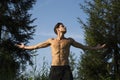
(39, 45)
(79, 45)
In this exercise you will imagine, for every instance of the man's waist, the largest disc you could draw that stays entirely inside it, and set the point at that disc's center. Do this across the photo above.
(60, 66)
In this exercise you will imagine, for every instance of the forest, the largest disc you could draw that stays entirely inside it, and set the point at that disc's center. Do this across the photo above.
(102, 26)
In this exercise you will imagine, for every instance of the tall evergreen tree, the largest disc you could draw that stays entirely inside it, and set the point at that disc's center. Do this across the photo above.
(102, 26)
(15, 26)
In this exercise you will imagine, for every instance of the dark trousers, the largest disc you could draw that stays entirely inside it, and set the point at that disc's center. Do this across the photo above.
(60, 73)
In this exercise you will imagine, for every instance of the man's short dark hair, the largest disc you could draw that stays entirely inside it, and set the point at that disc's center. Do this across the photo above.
(57, 26)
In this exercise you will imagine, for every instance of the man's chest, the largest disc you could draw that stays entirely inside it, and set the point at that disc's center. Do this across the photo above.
(60, 43)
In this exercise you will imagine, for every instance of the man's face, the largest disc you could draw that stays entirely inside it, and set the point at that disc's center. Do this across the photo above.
(62, 28)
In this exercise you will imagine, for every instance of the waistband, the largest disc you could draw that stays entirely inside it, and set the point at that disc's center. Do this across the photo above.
(65, 66)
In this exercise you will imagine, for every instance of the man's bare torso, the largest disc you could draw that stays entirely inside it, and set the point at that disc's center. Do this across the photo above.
(60, 51)
(60, 46)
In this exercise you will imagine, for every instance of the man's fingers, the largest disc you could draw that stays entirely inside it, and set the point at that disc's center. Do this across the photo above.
(103, 45)
(21, 45)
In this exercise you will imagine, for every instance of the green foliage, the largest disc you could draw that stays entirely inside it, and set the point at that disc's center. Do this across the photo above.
(73, 64)
(44, 73)
(72, 61)
(41, 74)
(102, 26)
(92, 67)
(15, 27)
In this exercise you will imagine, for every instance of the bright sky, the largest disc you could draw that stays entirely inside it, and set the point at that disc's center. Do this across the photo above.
(48, 13)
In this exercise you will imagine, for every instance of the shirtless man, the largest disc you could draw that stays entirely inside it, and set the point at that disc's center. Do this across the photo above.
(60, 47)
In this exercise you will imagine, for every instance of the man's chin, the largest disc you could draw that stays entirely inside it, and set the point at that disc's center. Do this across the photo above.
(63, 31)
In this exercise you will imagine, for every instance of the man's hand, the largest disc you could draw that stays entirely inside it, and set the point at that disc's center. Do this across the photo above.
(100, 46)
(21, 45)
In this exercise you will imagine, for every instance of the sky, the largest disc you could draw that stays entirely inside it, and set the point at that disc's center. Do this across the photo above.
(48, 14)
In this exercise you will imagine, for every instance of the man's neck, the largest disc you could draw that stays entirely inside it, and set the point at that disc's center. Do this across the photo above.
(60, 36)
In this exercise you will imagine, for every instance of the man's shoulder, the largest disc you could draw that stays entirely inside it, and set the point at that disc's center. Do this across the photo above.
(70, 38)
(50, 39)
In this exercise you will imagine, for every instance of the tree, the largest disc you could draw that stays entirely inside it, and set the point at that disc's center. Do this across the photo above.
(102, 26)
(72, 63)
(15, 26)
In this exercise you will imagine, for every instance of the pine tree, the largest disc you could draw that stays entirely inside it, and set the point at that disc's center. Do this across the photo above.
(15, 27)
(102, 26)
